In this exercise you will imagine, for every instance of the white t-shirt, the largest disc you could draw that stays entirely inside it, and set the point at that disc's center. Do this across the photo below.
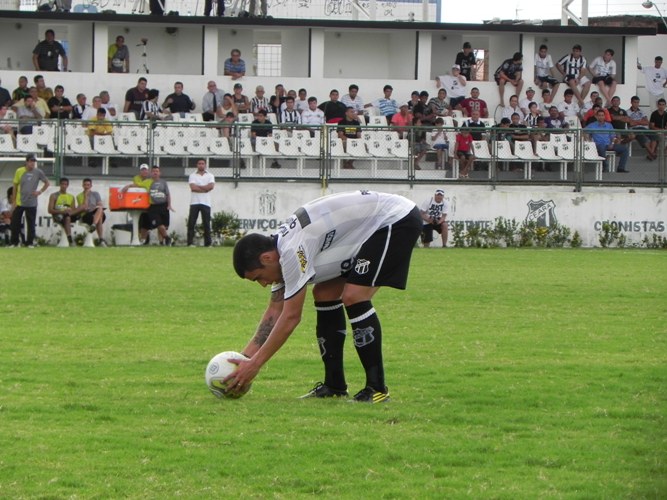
(655, 79)
(508, 111)
(300, 105)
(109, 106)
(543, 66)
(201, 180)
(89, 113)
(309, 117)
(453, 86)
(571, 109)
(434, 209)
(601, 68)
(319, 242)
(356, 103)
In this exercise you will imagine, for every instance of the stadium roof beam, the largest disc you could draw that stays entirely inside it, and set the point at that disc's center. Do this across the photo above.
(566, 13)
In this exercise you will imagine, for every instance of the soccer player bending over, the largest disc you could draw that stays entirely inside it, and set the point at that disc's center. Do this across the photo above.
(348, 245)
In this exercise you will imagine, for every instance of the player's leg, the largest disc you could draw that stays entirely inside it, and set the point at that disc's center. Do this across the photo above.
(30, 220)
(612, 88)
(331, 332)
(192, 222)
(206, 222)
(501, 90)
(427, 235)
(16, 225)
(383, 260)
(519, 86)
(444, 233)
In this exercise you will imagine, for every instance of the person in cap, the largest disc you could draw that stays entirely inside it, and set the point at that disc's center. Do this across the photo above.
(509, 71)
(348, 245)
(24, 199)
(455, 85)
(524, 103)
(434, 211)
(240, 100)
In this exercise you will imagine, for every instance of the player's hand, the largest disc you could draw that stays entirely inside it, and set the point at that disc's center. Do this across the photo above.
(238, 381)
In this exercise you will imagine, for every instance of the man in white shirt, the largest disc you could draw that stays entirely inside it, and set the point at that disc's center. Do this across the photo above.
(454, 84)
(90, 113)
(656, 81)
(603, 69)
(112, 109)
(301, 103)
(568, 107)
(434, 211)
(352, 99)
(313, 115)
(201, 183)
(544, 65)
(348, 245)
(524, 103)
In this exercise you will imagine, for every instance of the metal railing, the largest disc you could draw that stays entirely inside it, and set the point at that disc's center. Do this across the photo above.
(242, 151)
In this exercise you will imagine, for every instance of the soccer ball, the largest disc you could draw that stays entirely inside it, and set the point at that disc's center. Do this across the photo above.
(218, 369)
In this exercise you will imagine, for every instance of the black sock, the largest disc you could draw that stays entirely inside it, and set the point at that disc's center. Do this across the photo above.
(367, 334)
(331, 339)
(69, 239)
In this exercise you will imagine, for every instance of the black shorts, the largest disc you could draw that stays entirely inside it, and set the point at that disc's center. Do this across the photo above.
(156, 215)
(427, 232)
(384, 258)
(547, 79)
(607, 80)
(88, 217)
(464, 154)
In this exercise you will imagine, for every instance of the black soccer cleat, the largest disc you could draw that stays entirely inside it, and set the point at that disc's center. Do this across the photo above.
(370, 395)
(324, 391)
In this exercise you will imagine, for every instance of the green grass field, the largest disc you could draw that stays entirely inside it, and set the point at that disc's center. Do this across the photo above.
(513, 373)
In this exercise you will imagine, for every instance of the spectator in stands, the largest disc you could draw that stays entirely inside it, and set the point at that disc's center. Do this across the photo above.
(588, 103)
(349, 128)
(467, 61)
(6, 216)
(227, 106)
(6, 127)
(201, 184)
(386, 105)
(464, 151)
(533, 115)
(278, 98)
(544, 69)
(524, 103)
(573, 67)
(352, 99)
(241, 101)
(301, 103)
(118, 56)
(313, 115)
(590, 117)
(656, 80)
(638, 121)
(290, 115)
(434, 211)
(509, 71)
(99, 125)
(402, 119)
(260, 127)
(227, 128)
(234, 65)
(61, 205)
(537, 133)
(504, 135)
(554, 120)
(455, 84)
(112, 109)
(80, 107)
(419, 146)
(135, 97)
(568, 107)
(414, 100)
(520, 132)
(513, 108)
(21, 91)
(474, 123)
(157, 215)
(59, 105)
(47, 54)
(440, 143)
(474, 103)
(208, 7)
(28, 115)
(334, 110)
(658, 119)
(43, 91)
(439, 105)
(290, 93)
(600, 134)
(151, 109)
(178, 102)
(423, 111)
(39, 103)
(211, 102)
(24, 200)
(90, 210)
(603, 71)
(259, 101)
(547, 102)
(5, 97)
(90, 113)
(619, 118)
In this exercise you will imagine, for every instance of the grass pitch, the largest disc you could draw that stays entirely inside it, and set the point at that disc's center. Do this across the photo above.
(513, 373)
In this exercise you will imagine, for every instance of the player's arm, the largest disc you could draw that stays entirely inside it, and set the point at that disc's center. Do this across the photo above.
(288, 320)
(52, 204)
(266, 324)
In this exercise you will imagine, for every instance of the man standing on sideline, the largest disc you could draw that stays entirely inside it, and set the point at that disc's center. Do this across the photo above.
(157, 215)
(61, 205)
(90, 210)
(434, 211)
(349, 245)
(24, 199)
(201, 183)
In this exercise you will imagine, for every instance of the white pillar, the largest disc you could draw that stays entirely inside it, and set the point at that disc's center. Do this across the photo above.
(210, 48)
(424, 62)
(100, 54)
(317, 53)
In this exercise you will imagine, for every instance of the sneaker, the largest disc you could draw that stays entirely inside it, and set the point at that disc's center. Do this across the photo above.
(103, 243)
(323, 391)
(32, 245)
(167, 241)
(72, 244)
(370, 395)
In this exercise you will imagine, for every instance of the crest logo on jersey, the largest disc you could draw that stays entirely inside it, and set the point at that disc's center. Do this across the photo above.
(362, 266)
(301, 255)
(363, 336)
(543, 213)
(328, 239)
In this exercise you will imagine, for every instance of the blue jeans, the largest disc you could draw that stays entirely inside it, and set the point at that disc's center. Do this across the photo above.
(621, 151)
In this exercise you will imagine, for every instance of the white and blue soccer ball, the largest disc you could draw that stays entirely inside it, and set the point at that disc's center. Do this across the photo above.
(220, 368)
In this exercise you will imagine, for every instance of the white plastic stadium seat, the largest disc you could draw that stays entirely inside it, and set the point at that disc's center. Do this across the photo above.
(7, 144)
(591, 156)
(524, 151)
(27, 143)
(103, 144)
(79, 144)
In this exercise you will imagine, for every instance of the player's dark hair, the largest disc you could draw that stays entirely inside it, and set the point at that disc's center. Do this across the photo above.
(64, 179)
(543, 47)
(247, 251)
